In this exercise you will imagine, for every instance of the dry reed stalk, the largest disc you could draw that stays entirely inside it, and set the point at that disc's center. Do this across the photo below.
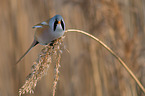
(114, 54)
(41, 65)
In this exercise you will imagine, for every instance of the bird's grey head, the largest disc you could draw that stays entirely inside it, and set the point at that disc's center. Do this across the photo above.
(57, 23)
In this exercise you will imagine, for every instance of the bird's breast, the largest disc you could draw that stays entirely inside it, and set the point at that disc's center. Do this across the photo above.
(46, 35)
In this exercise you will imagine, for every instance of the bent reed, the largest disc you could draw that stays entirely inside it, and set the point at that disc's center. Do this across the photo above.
(41, 65)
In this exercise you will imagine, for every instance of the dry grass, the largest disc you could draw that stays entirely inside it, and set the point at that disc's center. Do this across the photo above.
(41, 65)
(121, 24)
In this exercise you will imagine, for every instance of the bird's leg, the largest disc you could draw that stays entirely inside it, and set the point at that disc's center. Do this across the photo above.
(51, 44)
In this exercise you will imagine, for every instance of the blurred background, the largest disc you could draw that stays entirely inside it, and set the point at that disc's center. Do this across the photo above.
(89, 69)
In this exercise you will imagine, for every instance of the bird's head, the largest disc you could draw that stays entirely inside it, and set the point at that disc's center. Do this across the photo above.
(57, 23)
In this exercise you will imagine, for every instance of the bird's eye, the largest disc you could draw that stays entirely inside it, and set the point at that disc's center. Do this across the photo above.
(55, 24)
(62, 24)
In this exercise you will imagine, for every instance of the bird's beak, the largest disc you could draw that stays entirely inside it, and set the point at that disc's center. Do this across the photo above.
(59, 22)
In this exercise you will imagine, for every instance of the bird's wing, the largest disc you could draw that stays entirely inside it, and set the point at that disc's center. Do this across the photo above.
(40, 25)
(43, 35)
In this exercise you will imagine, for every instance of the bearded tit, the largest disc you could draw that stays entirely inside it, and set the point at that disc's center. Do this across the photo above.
(46, 32)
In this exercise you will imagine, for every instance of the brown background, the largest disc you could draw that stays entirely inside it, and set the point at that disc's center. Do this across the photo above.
(88, 70)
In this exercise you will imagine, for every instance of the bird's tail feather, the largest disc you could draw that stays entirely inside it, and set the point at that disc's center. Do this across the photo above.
(32, 45)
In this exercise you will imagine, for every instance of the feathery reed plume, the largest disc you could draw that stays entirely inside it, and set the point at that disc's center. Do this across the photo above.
(113, 53)
(56, 71)
(41, 65)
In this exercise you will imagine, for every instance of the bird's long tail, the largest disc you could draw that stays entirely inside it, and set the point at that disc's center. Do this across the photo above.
(32, 45)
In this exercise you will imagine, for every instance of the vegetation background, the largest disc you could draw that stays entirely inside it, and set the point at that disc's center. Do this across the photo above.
(88, 70)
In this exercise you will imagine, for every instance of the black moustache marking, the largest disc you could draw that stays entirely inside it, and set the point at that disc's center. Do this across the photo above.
(62, 24)
(55, 24)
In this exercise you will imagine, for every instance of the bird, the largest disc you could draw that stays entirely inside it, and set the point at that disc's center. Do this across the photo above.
(46, 32)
